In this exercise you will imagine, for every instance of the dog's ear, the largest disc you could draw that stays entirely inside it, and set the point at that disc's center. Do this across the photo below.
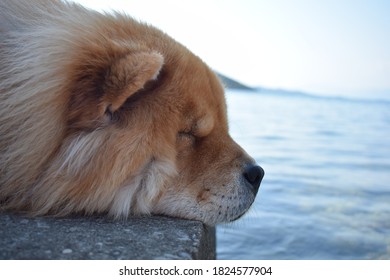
(128, 75)
(103, 87)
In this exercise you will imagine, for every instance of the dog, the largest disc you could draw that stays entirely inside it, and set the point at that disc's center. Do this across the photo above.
(102, 114)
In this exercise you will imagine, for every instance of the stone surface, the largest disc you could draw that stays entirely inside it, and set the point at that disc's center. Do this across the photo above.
(102, 238)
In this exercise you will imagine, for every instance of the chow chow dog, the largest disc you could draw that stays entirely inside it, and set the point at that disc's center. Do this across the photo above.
(102, 114)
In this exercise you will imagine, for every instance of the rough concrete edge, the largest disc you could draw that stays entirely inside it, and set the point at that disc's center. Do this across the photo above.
(208, 244)
(203, 247)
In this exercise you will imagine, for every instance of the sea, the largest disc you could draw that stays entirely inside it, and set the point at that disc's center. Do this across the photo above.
(326, 190)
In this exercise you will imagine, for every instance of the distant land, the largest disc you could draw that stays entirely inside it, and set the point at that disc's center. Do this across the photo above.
(233, 84)
(230, 83)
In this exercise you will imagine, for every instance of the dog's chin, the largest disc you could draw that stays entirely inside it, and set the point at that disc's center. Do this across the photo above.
(220, 209)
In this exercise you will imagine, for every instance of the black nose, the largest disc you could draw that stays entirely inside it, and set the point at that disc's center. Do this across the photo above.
(254, 174)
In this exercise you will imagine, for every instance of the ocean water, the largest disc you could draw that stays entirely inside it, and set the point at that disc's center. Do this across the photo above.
(326, 191)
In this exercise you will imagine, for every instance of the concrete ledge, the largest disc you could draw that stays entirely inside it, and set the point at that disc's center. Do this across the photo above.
(101, 238)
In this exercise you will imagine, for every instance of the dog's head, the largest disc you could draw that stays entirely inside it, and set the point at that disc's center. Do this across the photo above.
(215, 181)
(146, 132)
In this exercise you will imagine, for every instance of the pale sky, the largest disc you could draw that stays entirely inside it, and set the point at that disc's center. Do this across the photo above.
(335, 47)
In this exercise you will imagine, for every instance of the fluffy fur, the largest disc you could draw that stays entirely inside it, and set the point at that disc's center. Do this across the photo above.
(103, 114)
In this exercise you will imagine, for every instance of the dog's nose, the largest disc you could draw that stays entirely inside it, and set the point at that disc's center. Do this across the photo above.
(254, 174)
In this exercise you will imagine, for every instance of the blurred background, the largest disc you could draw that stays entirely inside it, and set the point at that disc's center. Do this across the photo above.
(309, 98)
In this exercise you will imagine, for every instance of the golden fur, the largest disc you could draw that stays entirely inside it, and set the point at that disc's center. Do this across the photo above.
(103, 114)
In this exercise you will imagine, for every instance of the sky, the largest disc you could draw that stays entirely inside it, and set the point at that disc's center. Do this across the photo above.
(328, 47)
